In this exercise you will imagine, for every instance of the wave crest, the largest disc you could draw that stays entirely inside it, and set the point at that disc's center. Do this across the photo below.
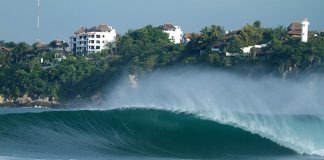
(146, 132)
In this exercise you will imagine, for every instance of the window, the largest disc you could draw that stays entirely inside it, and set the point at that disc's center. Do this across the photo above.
(97, 36)
(97, 47)
(97, 41)
(91, 47)
(172, 38)
(103, 36)
(103, 41)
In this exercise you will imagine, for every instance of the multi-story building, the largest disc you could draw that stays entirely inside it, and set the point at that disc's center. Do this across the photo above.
(175, 33)
(93, 39)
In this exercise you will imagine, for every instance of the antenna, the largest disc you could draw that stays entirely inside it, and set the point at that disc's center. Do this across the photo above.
(38, 26)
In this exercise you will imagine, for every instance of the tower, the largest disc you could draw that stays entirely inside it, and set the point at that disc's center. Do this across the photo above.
(38, 26)
(304, 33)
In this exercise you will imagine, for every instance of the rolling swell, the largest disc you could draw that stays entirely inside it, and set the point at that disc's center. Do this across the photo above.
(142, 132)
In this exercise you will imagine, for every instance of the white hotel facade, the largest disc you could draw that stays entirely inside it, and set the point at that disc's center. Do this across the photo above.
(93, 39)
(175, 33)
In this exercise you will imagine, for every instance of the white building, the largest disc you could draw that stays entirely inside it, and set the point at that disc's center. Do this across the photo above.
(304, 35)
(175, 33)
(93, 39)
(299, 30)
(247, 49)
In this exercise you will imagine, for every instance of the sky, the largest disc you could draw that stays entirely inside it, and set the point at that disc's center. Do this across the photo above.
(60, 18)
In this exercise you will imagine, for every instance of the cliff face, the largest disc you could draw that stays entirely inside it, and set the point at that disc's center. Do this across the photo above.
(27, 101)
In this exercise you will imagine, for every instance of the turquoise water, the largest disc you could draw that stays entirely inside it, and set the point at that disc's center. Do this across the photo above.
(145, 133)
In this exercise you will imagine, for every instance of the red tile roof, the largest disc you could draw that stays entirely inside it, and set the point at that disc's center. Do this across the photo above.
(99, 28)
(168, 27)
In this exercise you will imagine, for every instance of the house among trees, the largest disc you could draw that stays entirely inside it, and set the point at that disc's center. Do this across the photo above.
(58, 45)
(41, 46)
(295, 29)
(218, 47)
(4, 49)
(175, 33)
(94, 39)
(186, 38)
(299, 30)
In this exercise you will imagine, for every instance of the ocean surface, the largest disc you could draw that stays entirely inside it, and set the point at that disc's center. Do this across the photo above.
(138, 133)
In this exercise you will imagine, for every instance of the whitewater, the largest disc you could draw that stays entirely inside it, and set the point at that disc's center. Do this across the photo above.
(184, 113)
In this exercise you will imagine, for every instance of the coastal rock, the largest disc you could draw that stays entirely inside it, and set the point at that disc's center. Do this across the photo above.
(1, 100)
(42, 102)
(7, 102)
(45, 102)
(28, 101)
(24, 100)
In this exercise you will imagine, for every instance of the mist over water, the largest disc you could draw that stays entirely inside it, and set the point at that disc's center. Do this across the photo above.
(286, 111)
(203, 89)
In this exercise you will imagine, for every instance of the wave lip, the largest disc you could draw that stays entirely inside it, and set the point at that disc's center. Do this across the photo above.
(144, 132)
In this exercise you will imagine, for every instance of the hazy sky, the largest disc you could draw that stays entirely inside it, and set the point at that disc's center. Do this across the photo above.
(60, 18)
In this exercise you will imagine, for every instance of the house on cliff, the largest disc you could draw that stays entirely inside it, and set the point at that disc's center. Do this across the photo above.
(299, 30)
(175, 33)
(94, 39)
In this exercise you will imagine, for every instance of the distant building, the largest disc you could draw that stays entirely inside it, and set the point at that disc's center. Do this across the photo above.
(93, 39)
(4, 49)
(41, 46)
(295, 29)
(57, 45)
(299, 30)
(218, 47)
(175, 33)
(186, 38)
(247, 50)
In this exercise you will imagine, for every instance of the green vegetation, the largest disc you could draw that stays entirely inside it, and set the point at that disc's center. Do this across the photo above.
(76, 76)
(38, 72)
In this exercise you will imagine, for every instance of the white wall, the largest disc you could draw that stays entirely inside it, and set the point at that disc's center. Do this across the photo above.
(93, 41)
(304, 36)
(101, 41)
(176, 35)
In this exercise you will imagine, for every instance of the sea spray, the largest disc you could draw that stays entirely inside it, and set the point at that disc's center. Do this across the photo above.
(224, 97)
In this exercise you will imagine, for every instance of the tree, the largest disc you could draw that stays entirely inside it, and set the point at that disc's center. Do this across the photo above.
(257, 24)
(235, 46)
